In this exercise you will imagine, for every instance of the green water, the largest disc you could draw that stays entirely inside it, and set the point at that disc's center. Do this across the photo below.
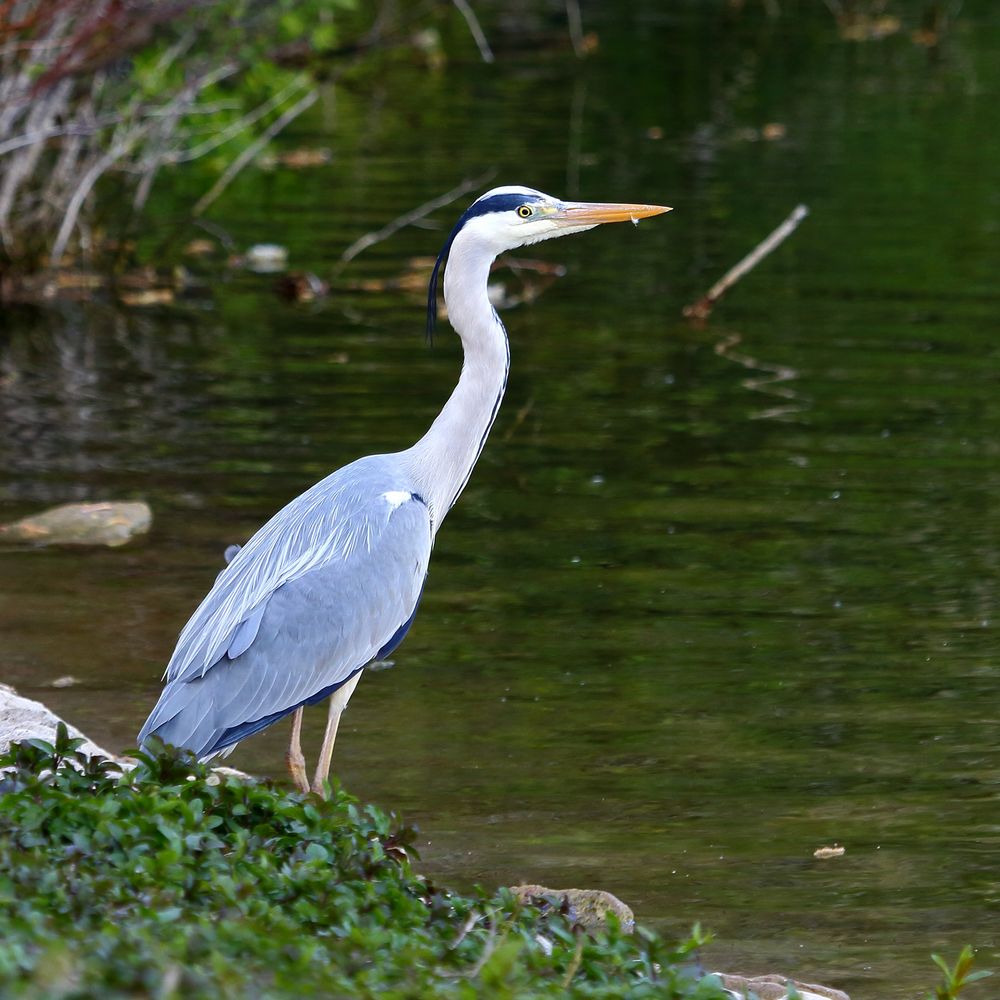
(714, 597)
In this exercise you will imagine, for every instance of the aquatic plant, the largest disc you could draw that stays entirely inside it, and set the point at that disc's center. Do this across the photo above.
(957, 978)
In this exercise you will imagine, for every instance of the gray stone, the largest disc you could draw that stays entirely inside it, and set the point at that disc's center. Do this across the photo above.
(112, 523)
(24, 719)
(587, 907)
(775, 987)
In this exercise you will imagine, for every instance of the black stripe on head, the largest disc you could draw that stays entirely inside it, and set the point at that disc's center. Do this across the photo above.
(484, 206)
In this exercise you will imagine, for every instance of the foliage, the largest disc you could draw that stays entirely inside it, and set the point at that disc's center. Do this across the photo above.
(96, 90)
(171, 880)
(956, 979)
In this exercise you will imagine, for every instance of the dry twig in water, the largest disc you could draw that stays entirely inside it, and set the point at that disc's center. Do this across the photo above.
(575, 20)
(414, 215)
(702, 309)
(474, 27)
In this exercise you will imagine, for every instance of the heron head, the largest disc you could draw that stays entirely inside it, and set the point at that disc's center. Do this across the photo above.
(506, 218)
(510, 217)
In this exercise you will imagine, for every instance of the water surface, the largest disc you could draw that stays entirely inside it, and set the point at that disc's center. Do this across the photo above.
(713, 597)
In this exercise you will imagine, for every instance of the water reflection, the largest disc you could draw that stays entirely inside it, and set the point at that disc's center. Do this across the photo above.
(769, 380)
(75, 382)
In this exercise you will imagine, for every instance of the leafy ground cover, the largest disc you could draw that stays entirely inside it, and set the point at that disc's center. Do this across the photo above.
(170, 880)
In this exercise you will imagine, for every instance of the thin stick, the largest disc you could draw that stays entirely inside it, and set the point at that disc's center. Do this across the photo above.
(89, 179)
(252, 150)
(414, 215)
(477, 32)
(52, 131)
(575, 20)
(703, 307)
(470, 922)
(488, 949)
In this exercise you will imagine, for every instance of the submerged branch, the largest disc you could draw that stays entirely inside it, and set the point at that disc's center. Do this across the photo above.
(414, 215)
(702, 309)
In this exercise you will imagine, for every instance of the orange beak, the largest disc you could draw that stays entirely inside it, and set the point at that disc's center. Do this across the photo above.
(585, 213)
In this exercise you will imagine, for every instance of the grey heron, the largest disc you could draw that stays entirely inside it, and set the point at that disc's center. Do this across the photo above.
(332, 582)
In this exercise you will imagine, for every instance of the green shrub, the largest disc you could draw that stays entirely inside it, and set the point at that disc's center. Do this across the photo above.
(172, 881)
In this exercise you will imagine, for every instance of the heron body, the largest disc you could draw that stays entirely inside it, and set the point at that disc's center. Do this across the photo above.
(332, 582)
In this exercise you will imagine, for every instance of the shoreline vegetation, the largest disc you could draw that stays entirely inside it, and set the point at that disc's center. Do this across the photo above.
(98, 101)
(156, 876)
(171, 879)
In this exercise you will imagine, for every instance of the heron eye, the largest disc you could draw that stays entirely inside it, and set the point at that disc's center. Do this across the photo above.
(525, 211)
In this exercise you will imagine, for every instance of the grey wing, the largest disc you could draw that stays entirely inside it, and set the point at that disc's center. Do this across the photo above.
(306, 635)
(324, 525)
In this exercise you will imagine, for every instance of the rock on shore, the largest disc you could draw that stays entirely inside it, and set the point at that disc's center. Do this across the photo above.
(776, 988)
(587, 907)
(24, 719)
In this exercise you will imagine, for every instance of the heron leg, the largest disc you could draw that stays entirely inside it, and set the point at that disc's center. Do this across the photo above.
(338, 702)
(293, 758)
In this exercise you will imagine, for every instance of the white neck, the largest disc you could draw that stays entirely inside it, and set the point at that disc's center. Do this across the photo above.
(442, 460)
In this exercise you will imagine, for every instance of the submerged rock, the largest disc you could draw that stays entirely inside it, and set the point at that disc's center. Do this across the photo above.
(776, 988)
(587, 907)
(111, 523)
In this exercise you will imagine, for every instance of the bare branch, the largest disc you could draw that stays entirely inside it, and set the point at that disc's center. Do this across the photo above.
(470, 921)
(703, 307)
(414, 215)
(179, 48)
(52, 131)
(575, 19)
(474, 27)
(241, 124)
(76, 202)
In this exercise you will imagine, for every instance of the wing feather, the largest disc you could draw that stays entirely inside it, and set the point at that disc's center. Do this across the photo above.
(315, 596)
(324, 525)
(246, 631)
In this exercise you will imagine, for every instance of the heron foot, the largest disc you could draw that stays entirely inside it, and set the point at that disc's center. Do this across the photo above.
(326, 752)
(297, 769)
(293, 757)
(338, 702)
